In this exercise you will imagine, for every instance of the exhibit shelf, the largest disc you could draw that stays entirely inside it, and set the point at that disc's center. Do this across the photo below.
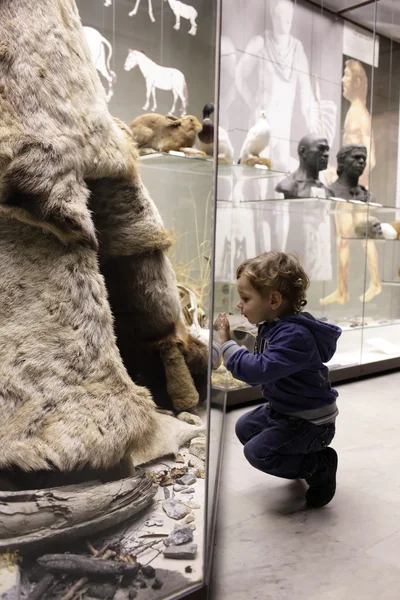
(177, 163)
(332, 204)
(371, 239)
(194, 165)
(392, 283)
(238, 172)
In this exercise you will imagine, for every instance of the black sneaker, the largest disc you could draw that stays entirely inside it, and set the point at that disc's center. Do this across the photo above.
(323, 483)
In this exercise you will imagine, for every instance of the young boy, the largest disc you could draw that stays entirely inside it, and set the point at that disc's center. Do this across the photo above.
(290, 434)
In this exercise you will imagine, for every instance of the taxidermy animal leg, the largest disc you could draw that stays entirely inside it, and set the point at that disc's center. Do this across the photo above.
(375, 287)
(344, 226)
(184, 396)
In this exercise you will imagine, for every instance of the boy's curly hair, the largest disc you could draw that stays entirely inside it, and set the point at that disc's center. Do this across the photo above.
(280, 272)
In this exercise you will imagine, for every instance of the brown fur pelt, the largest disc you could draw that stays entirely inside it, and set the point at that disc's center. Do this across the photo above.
(164, 133)
(149, 337)
(66, 399)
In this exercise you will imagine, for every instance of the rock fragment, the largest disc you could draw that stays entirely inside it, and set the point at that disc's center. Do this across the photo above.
(184, 552)
(179, 537)
(175, 509)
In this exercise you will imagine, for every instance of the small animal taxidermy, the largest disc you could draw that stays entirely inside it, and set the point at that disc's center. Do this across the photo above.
(256, 141)
(159, 133)
(205, 140)
(370, 228)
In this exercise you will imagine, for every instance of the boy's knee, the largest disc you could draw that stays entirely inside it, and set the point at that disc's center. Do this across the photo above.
(266, 462)
(252, 454)
(241, 429)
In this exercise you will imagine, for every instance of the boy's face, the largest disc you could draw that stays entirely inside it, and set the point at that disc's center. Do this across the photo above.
(255, 307)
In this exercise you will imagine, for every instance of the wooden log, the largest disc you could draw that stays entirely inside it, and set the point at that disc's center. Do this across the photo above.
(32, 520)
(41, 588)
(76, 564)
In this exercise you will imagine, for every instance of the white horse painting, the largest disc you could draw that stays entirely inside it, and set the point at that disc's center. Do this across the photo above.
(135, 9)
(184, 11)
(101, 51)
(163, 78)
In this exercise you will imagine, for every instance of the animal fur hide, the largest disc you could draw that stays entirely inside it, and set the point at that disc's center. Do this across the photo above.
(70, 196)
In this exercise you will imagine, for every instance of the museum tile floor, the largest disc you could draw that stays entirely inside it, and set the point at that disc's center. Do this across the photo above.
(269, 547)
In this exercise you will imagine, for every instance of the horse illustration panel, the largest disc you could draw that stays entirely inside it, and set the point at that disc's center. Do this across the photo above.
(158, 77)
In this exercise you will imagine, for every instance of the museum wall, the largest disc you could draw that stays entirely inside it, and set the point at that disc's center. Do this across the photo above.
(192, 55)
(290, 59)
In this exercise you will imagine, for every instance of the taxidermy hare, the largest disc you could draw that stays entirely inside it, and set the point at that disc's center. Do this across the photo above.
(158, 133)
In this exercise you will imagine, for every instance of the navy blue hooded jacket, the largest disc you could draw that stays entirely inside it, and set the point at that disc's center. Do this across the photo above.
(289, 366)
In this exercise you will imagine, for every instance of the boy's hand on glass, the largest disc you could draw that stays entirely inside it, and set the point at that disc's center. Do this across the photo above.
(222, 327)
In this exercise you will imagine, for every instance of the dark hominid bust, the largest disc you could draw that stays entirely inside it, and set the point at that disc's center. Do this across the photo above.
(313, 154)
(351, 163)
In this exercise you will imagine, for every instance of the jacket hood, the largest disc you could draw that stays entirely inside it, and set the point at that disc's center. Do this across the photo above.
(325, 334)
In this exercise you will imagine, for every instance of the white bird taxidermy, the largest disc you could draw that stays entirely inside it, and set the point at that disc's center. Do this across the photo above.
(135, 9)
(389, 232)
(256, 141)
(180, 9)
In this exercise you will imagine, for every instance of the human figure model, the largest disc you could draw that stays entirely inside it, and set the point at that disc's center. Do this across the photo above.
(352, 161)
(357, 124)
(304, 182)
(313, 154)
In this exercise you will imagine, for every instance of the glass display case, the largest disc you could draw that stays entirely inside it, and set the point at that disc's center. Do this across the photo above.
(291, 72)
(151, 57)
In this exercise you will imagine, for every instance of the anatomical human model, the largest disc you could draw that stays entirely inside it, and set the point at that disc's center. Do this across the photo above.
(357, 125)
(352, 161)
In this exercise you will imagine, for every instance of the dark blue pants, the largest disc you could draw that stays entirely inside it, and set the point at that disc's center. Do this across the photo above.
(282, 446)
